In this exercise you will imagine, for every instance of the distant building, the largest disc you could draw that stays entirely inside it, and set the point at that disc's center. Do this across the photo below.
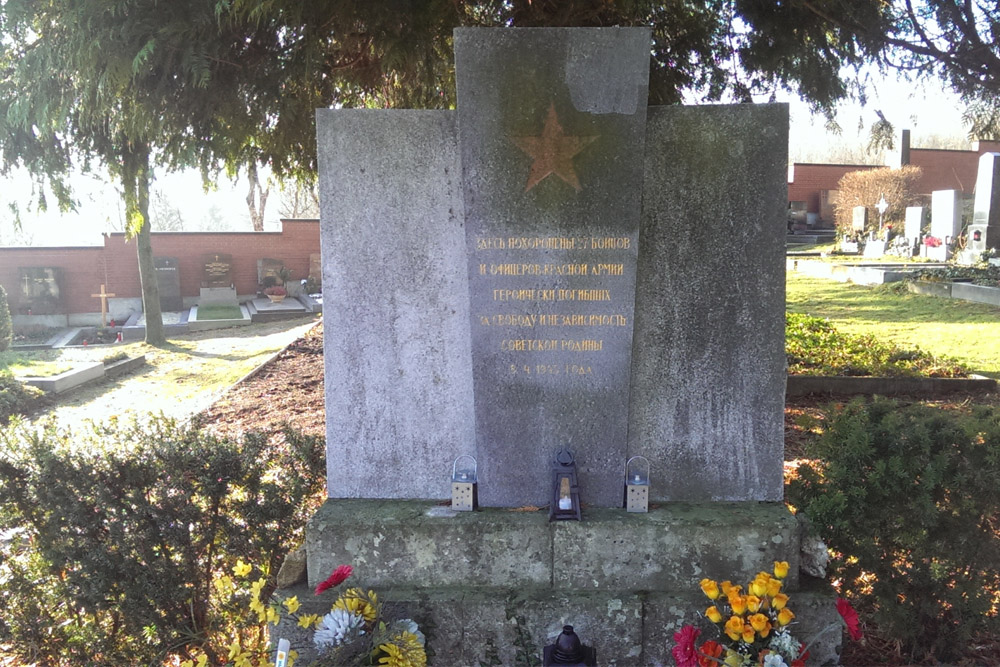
(813, 187)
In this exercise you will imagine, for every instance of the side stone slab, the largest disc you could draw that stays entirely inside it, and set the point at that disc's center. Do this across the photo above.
(396, 316)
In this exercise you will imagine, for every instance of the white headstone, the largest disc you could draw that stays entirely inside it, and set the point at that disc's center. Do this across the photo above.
(914, 222)
(946, 214)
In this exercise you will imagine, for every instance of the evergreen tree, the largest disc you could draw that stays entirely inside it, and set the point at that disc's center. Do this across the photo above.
(6, 325)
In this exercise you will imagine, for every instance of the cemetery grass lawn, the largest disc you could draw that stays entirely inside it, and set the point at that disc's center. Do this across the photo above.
(966, 331)
(43, 363)
(220, 313)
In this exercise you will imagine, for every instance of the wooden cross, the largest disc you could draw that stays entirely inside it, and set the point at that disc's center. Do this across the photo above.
(104, 305)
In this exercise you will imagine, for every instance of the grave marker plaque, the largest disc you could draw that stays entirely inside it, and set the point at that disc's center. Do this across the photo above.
(41, 290)
(168, 281)
(553, 180)
(217, 270)
(914, 223)
(269, 268)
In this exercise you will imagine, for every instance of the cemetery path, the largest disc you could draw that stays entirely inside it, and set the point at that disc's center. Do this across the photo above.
(184, 377)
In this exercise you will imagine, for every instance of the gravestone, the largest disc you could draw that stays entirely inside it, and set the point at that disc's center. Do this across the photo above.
(551, 266)
(914, 223)
(859, 218)
(168, 281)
(316, 269)
(217, 270)
(984, 232)
(269, 268)
(946, 222)
(41, 290)
(217, 280)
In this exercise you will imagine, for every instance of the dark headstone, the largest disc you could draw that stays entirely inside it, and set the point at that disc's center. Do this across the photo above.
(168, 280)
(217, 270)
(316, 268)
(550, 124)
(41, 290)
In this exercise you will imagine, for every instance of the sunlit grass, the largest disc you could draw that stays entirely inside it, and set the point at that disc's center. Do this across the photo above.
(966, 331)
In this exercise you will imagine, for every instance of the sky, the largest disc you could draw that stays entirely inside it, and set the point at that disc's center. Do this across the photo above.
(924, 109)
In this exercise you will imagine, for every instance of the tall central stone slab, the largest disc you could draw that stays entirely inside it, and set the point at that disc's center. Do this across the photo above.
(551, 130)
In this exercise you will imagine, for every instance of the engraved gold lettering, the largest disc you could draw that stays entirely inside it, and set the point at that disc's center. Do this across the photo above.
(609, 269)
(528, 345)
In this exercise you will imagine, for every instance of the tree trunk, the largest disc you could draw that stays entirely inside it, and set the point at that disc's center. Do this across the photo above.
(256, 215)
(135, 177)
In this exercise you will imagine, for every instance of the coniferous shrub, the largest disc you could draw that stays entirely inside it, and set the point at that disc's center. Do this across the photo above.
(906, 497)
(115, 534)
(6, 325)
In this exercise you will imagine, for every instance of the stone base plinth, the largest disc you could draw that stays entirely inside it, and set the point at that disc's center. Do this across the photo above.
(507, 579)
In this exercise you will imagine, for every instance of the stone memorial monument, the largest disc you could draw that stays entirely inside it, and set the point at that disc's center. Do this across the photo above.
(946, 222)
(984, 232)
(217, 280)
(551, 267)
(168, 282)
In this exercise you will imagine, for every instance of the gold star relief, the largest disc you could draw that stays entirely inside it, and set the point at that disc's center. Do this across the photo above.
(553, 152)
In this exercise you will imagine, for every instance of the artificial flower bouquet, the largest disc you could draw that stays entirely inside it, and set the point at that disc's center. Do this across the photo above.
(753, 625)
(354, 632)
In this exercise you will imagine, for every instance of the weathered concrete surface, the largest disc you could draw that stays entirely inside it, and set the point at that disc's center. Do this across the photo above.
(71, 379)
(708, 365)
(396, 543)
(628, 628)
(396, 314)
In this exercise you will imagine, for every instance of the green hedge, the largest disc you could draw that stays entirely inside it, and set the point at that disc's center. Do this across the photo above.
(116, 533)
(6, 326)
(907, 498)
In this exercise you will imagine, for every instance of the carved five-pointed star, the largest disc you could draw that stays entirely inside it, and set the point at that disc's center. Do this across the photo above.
(553, 152)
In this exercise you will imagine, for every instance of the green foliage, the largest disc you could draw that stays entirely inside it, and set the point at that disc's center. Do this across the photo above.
(121, 529)
(219, 312)
(906, 496)
(815, 347)
(16, 398)
(6, 325)
(988, 275)
(121, 355)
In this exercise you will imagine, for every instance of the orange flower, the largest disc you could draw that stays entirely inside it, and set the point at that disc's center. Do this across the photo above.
(761, 624)
(728, 589)
(738, 603)
(712, 613)
(779, 601)
(748, 634)
(710, 649)
(781, 569)
(734, 627)
(785, 617)
(710, 588)
(753, 603)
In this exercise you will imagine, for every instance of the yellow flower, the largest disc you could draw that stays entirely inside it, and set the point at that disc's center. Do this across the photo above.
(728, 589)
(734, 627)
(761, 624)
(759, 586)
(713, 614)
(773, 587)
(753, 603)
(710, 588)
(405, 650)
(257, 586)
(187, 663)
(242, 569)
(308, 620)
(256, 605)
(785, 617)
(781, 569)
(234, 649)
(738, 603)
(358, 603)
(224, 585)
(748, 634)
(779, 601)
(202, 660)
(293, 655)
(292, 604)
(272, 616)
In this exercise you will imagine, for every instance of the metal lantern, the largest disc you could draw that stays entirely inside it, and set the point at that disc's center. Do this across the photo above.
(637, 484)
(565, 491)
(464, 492)
(569, 650)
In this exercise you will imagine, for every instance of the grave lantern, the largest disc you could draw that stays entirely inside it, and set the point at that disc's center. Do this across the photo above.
(565, 492)
(464, 494)
(569, 650)
(637, 484)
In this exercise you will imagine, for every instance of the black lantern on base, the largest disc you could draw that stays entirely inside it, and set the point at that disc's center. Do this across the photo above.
(569, 650)
(565, 492)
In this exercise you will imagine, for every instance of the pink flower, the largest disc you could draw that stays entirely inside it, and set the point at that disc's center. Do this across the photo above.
(684, 653)
(339, 575)
(850, 617)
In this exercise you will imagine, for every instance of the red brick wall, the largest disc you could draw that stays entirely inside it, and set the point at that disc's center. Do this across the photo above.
(806, 180)
(116, 266)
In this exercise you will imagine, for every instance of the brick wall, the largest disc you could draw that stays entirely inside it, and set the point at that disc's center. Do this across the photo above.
(115, 264)
(805, 181)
